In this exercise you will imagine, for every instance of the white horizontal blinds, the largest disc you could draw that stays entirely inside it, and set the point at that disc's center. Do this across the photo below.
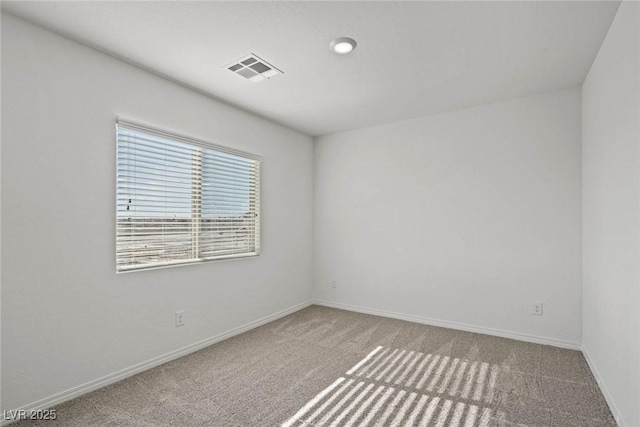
(182, 201)
(229, 214)
(155, 222)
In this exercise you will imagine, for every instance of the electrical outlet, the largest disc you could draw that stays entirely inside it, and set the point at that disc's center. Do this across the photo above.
(536, 308)
(334, 283)
(179, 318)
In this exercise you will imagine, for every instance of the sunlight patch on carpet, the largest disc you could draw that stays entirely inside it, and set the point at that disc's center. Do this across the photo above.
(396, 387)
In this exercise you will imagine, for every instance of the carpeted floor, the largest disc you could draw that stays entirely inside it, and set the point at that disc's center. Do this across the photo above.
(322, 366)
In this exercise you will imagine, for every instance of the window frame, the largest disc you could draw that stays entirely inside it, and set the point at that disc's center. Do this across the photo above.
(195, 142)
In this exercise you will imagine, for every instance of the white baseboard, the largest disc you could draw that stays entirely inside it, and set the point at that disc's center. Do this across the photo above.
(90, 386)
(453, 325)
(106, 380)
(603, 387)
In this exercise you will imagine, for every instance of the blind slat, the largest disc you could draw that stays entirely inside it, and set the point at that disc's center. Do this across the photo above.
(161, 163)
(148, 142)
(145, 155)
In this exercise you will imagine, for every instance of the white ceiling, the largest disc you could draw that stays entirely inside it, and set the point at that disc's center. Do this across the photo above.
(412, 59)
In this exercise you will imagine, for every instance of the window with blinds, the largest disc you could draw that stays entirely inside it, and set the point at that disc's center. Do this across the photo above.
(181, 200)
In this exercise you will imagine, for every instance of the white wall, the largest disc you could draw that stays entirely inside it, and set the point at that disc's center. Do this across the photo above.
(67, 318)
(465, 217)
(611, 214)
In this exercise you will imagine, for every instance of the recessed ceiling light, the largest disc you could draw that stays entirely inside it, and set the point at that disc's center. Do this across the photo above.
(343, 45)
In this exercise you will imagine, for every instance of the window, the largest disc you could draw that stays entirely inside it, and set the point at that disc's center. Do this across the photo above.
(182, 201)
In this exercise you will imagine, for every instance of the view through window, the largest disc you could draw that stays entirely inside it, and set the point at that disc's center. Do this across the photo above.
(181, 200)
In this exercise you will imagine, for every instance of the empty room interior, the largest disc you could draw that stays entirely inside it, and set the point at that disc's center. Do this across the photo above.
(320, 213)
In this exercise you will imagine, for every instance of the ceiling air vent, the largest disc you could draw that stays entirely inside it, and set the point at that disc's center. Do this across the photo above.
(254, 68)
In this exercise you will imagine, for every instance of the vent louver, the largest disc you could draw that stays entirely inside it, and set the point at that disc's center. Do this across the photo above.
(254, 68)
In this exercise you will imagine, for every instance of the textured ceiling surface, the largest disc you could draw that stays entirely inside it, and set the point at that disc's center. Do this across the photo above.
(412, 59)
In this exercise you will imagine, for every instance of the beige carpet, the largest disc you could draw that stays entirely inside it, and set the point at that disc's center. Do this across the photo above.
(323, 366)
